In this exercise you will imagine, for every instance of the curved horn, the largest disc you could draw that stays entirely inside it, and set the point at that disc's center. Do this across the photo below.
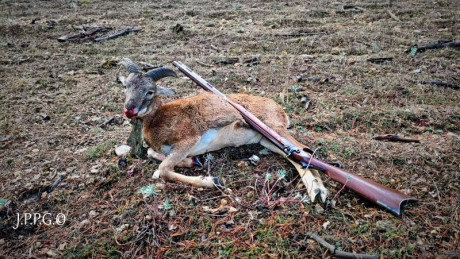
(158, 73)
(132, 68)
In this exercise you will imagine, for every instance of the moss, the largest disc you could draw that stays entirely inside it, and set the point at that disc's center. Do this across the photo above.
(99, 150)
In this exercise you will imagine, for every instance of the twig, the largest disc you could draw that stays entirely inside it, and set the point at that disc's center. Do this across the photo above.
(300, 33)
(116, 34)
(396, 138)
(338, 253)
(392, 15)
(440, 44)
(379, 60)
(203, 64)
(51, 188)
(341, 189)
(107, 122)
(228, 61)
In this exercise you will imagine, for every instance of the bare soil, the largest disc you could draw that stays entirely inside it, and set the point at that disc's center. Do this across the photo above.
(55, 96)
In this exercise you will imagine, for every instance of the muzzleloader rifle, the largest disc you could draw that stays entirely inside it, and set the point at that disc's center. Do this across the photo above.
(370, 190)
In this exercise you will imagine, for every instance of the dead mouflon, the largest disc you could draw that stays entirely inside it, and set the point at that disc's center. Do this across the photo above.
(178, 130)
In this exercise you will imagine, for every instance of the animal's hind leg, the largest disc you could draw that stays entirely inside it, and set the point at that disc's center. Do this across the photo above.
(310, 178)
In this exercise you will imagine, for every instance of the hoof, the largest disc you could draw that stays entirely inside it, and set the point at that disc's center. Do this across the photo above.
(320, 195)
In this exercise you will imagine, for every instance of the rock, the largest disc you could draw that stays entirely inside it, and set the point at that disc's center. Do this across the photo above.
(326, 224)
(417, 71)
(314, 79)
(2, 241)
(254, 160)
(172, 227)
(351, 60)
(51, 253)
(62, 246)
(304, 99)
(122, 150)
(93, 214)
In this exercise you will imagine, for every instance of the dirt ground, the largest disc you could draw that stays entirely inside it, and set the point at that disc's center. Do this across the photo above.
(57, 96)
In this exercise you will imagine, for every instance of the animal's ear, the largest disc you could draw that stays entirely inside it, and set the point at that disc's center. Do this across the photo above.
(164, 91)
(122, 80)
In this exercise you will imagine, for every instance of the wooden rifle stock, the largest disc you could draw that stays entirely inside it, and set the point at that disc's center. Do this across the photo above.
(368, 189)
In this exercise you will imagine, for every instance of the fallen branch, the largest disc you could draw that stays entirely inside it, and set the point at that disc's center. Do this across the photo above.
(440, 44)
(350, 9)
(395, 138)
(300, 33)
(339, 253)
(437, 83)
(379, 60)
(88, 34)
(116, 34)
(228, 61)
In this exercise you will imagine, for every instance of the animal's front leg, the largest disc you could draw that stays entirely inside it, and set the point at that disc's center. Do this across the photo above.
(178, 153)
(187, 162)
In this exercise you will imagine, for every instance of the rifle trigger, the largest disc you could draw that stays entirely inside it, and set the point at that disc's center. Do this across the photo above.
(305, 164)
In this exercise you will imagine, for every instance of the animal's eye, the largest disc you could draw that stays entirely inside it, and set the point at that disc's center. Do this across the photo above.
(149, 93)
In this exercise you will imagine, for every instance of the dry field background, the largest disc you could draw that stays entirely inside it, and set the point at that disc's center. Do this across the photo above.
(55, 95)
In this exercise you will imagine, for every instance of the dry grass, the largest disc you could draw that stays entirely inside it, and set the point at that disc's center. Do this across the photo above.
(55, 95)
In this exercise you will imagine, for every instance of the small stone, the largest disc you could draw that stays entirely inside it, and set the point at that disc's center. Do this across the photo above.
(314, 79)
(304, 99)
(35, 150)
(62, 246)
(417, 71)
(172, 227)
(172, 213)
(51, 253)
(2, 241)
(351, 60)
(85, 222)
(93, 214)
(122, 150)
(254, 160)
(38, 244)
(148, 217)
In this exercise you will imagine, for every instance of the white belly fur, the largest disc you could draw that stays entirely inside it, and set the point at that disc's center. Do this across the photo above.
(228, 136)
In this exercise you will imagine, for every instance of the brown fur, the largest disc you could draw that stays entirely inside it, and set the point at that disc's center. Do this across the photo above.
(168, 123)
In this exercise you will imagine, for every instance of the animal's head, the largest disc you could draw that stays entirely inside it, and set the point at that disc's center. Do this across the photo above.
(141, 88)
